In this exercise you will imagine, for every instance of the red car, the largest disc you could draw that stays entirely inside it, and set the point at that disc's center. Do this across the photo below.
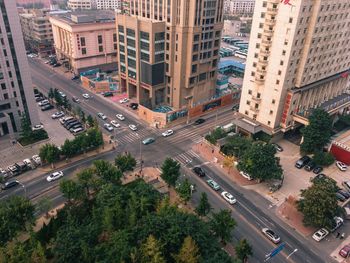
(344, 252)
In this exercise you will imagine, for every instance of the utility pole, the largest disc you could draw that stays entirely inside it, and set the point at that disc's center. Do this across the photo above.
(295, 250)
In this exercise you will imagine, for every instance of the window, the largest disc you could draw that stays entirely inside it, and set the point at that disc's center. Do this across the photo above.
(82, 41)
(196, 38)
(115, 46)
(202, 76)
(252, 74)
(250, 92)
(114, 37)
(6, 96)
(281, 62)
(271, 111)
(248, 102)
(194, 68)
(144, 35)
(290, 20)
(277, 82)
(195, 57)
(120, 28)
(99, 39)
(3, 86)
(100, 48)
(144, 56)
(130, 32)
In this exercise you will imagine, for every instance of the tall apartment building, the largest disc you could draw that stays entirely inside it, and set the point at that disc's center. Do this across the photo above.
(16, 92)
(298, 60)
(37, 31)
(94, 4)
(79, 4)
(86, 40)
(108, 4)
(168, 51)
(239, 7)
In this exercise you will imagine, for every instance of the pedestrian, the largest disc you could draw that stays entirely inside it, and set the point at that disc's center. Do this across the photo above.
(338, 234)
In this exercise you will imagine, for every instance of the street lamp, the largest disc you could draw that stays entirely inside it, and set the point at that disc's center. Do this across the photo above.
(295, 250)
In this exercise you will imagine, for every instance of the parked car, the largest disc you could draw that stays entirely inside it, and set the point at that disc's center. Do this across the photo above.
(345, 251)
(317, 170)
(167, 133)
(320, 234)
(199, 171)
(278, 147)
(199, 121)
(341, 166)
(318, 177)
(57, 65)
(57, 115)
(66, 123)
(337, 222)
(76, 100)
(134, 106)
(108, 94)
(108, 127)
(37, 127)
(214, 185)
(77, 130)
(62, 94)
(120, 117)
(228, 197)
(115, 123)
(73, 124)
(310, 166)
(9, 185)
(302, 162)
(86, 96)
(125, 100)
(102, 116)
(14, 170)
(340, 197)
(39, 99)
(43, 102)
(63, 120)
(54, 176)
(75, 77)
(22, 167)
(271, 235)
(36, 159)
(246, 175)
(132, 127)
(344, 193)
(76, 126)
(47, 107)
(148, 141)
(346, 184)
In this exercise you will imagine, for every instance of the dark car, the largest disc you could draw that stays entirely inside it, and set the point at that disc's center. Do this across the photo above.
(199, 171)
(70, 125)
(199, 121)
(346, 194)
(134, 105)
(75, 77)
(76, 100)
(278, 147)
(108, 94)
(75, 126)
(340, 197)
(56, 65)
(302, 162)
(69, 122)
(310, 166)
(9, 185)
(38, 99)
(317, 170)
(47, 107)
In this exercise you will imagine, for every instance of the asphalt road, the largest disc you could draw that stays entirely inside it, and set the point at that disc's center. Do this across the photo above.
(251, 211)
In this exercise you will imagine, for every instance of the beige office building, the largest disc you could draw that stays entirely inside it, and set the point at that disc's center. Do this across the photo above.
(16, 91)
(298, 60)
(79, 4)
(169, 50)
(85, 40)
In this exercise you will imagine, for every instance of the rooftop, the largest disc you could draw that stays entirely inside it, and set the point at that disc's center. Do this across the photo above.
(344, 138)
(87, 17)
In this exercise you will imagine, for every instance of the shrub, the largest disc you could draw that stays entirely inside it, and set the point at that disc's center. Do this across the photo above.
(323, 158)
(215, 135)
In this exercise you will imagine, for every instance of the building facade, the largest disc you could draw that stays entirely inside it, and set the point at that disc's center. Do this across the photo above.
(37, 31)
(16, 92)
(79, 4)
(239, 7)
(108, 4)
(169, 51)
(85, 40)
(298, 60)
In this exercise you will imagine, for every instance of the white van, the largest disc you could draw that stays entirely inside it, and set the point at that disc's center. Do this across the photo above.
(77, 130)
(65, 119)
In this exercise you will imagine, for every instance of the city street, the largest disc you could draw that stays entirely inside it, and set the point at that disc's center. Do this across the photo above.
(251, 211)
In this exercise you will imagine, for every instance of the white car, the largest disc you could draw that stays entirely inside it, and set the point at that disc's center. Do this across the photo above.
(320, 234)
(37, 127)
(246, 176)
(168, 133)
(341, 166)
(102, 116)
(271, 235)
(125, 100)
(43, 102)
(120, 117)
(228, 197)
(108, 127)
(133, 127)
(86, 96)
(36, 158)
(115, 123)
(54, 176)
(57, 115)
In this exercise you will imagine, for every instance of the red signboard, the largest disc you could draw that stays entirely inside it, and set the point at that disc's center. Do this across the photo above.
(340, 153)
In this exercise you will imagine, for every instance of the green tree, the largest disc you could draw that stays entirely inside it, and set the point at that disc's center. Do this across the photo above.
(65, 102)
(222, 224)
(44, 205)
(87, 180)
(204, 206)
(26, 129)
(323, 158)
(319, 204)
(125, 162)
(68, 149)
(107, 172)
(15, 215)
(51, 94)
(38, 254)
(94, 137)
(151, 251)
(189, 252)
(71, 190)
(215, 135)
(184, 191)
(243, 250)
(259, 162)
(317, 134)
(170, 171)
(83, 117)
(90, 120)
(58, 97)
(236, 146)
(49, 153)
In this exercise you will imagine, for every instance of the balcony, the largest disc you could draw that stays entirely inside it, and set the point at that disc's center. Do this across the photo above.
(264, 52)
(263, 62)
(266, 42)
(255, 98)
(272, 11)
(268, 32)
(261, 71)
(252, 108)
(258, 80)
(270, 22)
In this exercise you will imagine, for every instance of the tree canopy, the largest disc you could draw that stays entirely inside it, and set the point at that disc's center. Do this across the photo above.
(243, 250)
(125, 162)
(170, 171)
(236, 146)
(259, 162)
(204, 206)
(222, 224)
(317, 133)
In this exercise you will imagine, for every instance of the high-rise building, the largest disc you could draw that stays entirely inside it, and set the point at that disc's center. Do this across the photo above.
(108, 4)
(85, 40)
(298, 60)
(16, 92)
(37, 31)
(79, 4)
(239, 7)
(169, 50)
(94, 4)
